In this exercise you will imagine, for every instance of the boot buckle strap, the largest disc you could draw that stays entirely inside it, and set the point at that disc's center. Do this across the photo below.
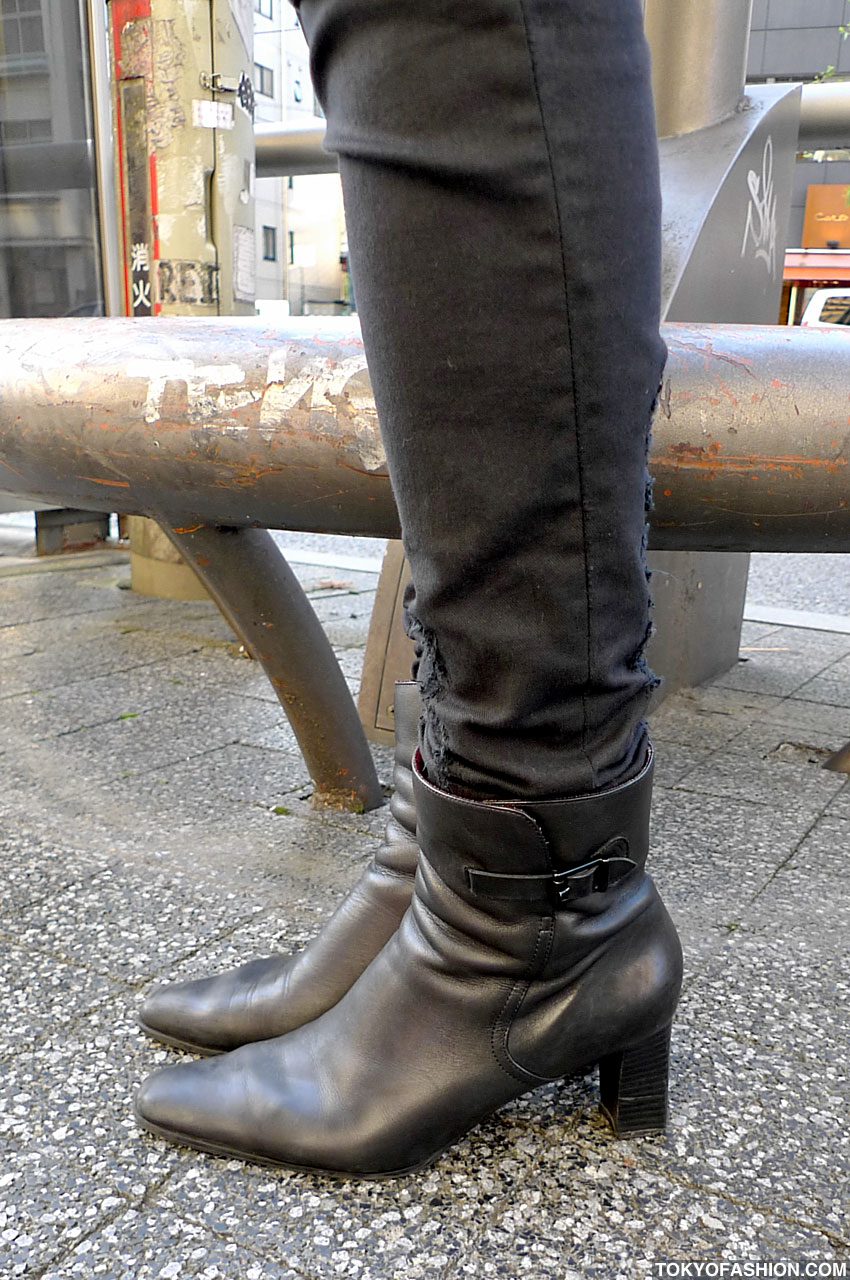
(591, 877)
(609, 866)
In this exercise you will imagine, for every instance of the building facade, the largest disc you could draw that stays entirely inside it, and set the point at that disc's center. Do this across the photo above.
(805, 40)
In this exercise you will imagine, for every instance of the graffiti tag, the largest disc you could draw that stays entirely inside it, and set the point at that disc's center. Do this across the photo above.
(760, 231)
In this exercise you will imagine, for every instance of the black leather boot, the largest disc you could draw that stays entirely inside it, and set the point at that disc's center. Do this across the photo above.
(268, 997)
(535, 946)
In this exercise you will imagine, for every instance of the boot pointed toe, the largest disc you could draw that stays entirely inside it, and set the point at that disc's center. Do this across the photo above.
(272, 996)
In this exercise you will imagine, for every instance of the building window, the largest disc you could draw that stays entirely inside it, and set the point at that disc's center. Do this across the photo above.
(292, 248)
(270, 244)
(264, 7)
(264, 80)
(12, 131)
(23, 32)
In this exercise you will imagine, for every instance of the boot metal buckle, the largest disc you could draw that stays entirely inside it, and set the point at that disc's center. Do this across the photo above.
(595, 876)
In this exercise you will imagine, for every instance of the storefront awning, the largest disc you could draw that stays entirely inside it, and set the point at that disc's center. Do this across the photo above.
(821, 266)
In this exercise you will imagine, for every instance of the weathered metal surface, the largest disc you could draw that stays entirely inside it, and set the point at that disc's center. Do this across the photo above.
(825, 116)
(222, 421)
(751, 439)
(699, 54)
(260, 596)
(282, 150)
(218, 422)
(824, 123)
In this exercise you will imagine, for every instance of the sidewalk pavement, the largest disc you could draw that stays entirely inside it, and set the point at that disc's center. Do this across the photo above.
(155, 823)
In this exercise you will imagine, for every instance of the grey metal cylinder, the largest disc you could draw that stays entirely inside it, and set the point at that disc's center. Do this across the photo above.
(699, 59)
(212, 422)
(281, 151)
(825, 116)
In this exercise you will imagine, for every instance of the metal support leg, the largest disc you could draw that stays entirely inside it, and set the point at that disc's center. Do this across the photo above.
(257, 592)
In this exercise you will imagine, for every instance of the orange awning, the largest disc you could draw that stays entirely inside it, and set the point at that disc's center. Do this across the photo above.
(821, 266)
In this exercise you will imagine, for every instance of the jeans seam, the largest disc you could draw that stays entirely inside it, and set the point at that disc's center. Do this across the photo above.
(578, 452)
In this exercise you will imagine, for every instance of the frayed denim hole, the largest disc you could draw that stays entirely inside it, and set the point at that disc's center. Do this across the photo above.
(637, 662)
(430, 672)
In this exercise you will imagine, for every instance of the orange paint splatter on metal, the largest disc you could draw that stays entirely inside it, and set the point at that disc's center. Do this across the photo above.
(120, 484)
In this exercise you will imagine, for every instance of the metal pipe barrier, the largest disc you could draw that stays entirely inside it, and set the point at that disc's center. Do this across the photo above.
(699, 57)
(825, 116)
(282, 151)
(221, 429)
(238, 424)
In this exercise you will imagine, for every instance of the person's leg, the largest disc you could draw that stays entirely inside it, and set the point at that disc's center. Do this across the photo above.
(499, 169)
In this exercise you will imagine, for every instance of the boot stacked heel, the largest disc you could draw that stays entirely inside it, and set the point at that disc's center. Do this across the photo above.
(633, 1086)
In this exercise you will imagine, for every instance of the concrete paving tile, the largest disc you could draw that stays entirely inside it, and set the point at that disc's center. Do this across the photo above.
(66, 1108)
(760, 1085)
(186, 727)
(46, 673)
(839, 806)
(756, 632)
(679, 722)
(32, 867)
(149, 1244)
(800, 580)
(84, 703)
(735, 826)
(785, 743)
(37, 596)
(826, 688)
(778, 679)
(40, 1217)
(225, 668)
(745, 705)
(707, 893)
(307, 854)
(129, 922)
(81, 643)
(606, 1216)
(43, 995)
(345, 618)
(276, 737)
(673, 760)
(351, 663)
(810, 717)
(806, 897)
(201, 788)
(412, 1228)
(785, 661)
(740, 775)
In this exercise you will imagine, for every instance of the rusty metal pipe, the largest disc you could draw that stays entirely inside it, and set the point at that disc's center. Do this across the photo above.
(223, 422)
(258, 593)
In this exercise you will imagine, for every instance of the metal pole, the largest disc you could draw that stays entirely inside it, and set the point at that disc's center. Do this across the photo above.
(262, 599)
(699, 58)
(281, 151)
(104, 155)
(825, 116)
(238, 423)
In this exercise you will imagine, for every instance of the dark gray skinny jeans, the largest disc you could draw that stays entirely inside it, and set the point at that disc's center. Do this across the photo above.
(500, 175)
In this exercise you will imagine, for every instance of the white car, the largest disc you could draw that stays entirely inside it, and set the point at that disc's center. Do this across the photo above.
(828, 306)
